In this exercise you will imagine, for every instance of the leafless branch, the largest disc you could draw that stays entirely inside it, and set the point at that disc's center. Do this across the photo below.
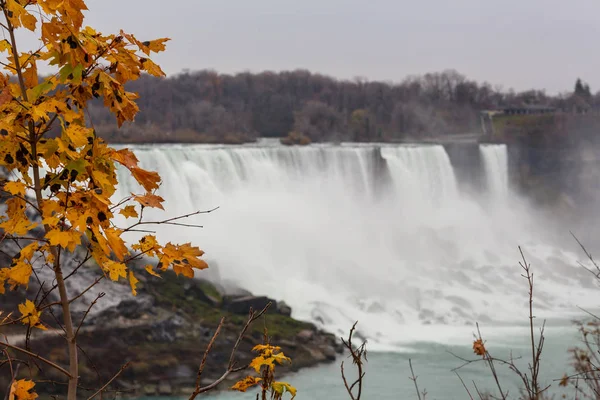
(109, 382)
(357, 355)
(100, 295)
(37, 357)
(252, 316)
(208, 349)
(414, 379)
(171, 221)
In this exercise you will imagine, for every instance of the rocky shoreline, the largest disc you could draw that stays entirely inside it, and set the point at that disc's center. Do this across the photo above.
(162, 334)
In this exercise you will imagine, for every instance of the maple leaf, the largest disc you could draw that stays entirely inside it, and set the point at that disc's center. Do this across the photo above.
(5, 96)
(184, 259)
(479, 348)
(150, 200)
(129, 212)
(125, 157)
(150, 67)
(22, 390)
(30, 75)
(30, 315)
(133, 281)
(150, 270)
(115, 270)
(113, 236)
(15, 188)
(148, 179)
(19, 274)
(156, 45)
(281, 387)
(246, 383)
(68, 239)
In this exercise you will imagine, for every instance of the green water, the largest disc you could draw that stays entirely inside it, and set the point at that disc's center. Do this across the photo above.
(387, 374)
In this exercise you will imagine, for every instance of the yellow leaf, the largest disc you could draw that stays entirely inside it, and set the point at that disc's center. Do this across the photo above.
(246, 383)
(113, 236)
(19, 274)
(15, 188)
(78, 135)
(5, 45)
(147, 245)
(116, 270)
(28, 21)
(156, 45)
(22, 390)
(133, 283)
(129, 212)
(282, 387)
(150, 67)
(30, 315)
(150, 270)
(148, 179)
(65, 239)
(150, 200)
(30, 75)
(259, 362)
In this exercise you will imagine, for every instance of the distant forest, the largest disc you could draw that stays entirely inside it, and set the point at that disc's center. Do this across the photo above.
(209, 107)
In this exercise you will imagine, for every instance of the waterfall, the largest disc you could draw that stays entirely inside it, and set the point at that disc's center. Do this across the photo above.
(309, 225)
(495, 161)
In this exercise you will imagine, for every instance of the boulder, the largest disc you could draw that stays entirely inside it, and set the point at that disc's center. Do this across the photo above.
(284, 309)
(242, 305)
(305, 336)
(165, 389)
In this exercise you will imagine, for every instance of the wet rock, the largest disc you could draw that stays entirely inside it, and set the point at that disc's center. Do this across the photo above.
(284, 309)
(305, 336)
(165, 389)
(242, 305)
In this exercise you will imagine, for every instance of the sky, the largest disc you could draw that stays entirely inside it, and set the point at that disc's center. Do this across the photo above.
(519, 44)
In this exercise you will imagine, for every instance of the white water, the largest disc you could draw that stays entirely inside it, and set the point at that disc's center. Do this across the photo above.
(495, 161)
(378, 234)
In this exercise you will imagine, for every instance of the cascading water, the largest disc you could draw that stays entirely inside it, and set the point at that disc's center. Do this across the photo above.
(375, 233)
(495, 161)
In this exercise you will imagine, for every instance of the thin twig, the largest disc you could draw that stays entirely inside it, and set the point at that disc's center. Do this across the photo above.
(109, 382)
(414, 378)
(208, 349)
(100, 295)
(37, 357)
(252, 316)
(465, 386)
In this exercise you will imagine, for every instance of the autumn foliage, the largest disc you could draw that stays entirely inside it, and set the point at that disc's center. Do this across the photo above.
(64, 185)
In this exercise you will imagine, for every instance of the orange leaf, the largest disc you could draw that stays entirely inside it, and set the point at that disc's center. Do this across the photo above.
(150, 270)
(150, 200)
(246, 383)
(133, 281)
(148, 179)
(113, 236)
(21, 390)
(129, 212)
(125, 157)
(479, 348)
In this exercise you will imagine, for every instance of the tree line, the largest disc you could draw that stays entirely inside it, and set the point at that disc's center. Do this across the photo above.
(205, 106)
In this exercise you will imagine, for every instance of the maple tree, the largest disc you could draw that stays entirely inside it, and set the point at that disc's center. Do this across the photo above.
(61, 178)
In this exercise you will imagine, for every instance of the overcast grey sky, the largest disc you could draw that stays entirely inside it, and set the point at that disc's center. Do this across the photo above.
(514, 43)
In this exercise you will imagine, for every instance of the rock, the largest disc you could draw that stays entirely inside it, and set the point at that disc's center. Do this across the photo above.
(305, 336)
(150, 390)
(242, 305)
(231, 290)
(329, 352)
(165, 389)
(284, 309)
(316, 354)
(135, 308)
(203, 290)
